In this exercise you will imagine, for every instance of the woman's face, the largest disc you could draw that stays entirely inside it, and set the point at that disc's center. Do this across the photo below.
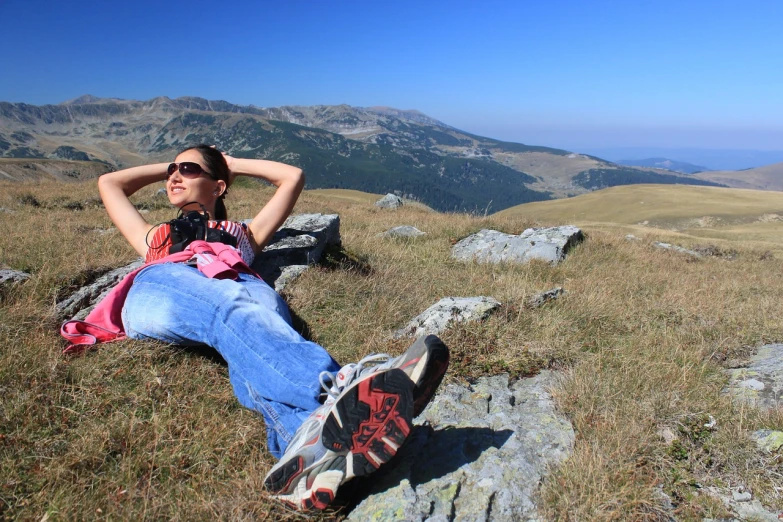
(204, 189)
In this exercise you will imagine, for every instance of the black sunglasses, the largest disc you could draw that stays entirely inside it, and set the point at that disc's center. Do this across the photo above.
(188, 169)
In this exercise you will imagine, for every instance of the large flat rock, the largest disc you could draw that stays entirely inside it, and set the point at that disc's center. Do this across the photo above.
(546, 244)
(477, 453)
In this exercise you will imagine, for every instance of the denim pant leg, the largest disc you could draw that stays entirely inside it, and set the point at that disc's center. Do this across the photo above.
(272, 369)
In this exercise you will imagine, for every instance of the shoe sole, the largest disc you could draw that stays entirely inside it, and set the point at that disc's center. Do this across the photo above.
(363, 430)
(435, 363)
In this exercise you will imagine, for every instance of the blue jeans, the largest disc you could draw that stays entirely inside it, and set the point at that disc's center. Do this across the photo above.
(272, 368)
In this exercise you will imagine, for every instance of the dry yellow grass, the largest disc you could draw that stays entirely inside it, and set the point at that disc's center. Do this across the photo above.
(142, 430)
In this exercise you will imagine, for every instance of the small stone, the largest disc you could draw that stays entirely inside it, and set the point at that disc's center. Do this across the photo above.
(389, 201)
(405, 231)
(631, 237)
(675, 248)
(544, 297)
(667, 434)
(161, 192)
(741, 496)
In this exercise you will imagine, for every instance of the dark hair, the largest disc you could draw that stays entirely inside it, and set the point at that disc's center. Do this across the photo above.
(217, 166)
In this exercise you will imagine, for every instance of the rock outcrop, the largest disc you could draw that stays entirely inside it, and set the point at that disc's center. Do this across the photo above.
(761, 382)
(81, 302)
(546, 244)
(477, 453)
(742, 504)
(299, 243)
(10, 277)
(389, 201)
(446, 312)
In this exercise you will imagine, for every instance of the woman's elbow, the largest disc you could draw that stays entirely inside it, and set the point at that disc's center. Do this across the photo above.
(103, 181)
(298, 178)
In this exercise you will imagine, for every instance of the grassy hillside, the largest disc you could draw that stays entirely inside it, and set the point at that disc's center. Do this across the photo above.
(768, 177)
(141, 430)
(704, 213)
(35, 169)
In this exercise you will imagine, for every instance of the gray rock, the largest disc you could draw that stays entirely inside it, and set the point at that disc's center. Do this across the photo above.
(403, 231)
(81, 302)
(161, 192)
(490, 246)
(297, 244)
(477, 453)
(769, 441)
(544, 297)
(445, 312)
(10, 277)
(631, 237)
(743, 506)
(675, 248)
(761, 382)
(665, 503)
(389, 201)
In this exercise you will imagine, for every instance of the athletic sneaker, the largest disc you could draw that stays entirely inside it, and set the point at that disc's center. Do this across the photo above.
(366, 417)
(361, 426)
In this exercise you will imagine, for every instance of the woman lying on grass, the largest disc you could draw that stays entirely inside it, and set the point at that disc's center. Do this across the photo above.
(208, 294)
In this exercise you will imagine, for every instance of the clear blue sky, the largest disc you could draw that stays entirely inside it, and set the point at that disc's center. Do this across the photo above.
(562, 73)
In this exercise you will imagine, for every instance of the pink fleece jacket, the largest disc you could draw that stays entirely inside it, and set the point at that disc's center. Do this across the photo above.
(104, 323)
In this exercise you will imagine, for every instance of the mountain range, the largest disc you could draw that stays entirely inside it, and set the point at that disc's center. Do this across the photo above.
(374, 149)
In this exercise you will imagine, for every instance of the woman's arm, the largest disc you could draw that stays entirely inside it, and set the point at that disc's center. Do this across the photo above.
(289, 181)
(116, 187)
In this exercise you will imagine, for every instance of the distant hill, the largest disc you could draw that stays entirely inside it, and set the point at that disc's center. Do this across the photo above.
(769, 177)
(664, 163)
(376, 149)
(713, 159)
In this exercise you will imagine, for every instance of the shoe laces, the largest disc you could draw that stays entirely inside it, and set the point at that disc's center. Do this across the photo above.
(348, 374)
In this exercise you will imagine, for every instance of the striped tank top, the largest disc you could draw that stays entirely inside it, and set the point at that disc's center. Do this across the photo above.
(160, 242)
